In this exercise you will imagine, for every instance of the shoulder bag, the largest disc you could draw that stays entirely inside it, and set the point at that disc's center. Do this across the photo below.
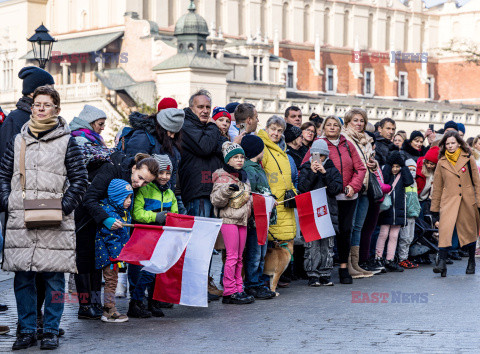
(387, 202)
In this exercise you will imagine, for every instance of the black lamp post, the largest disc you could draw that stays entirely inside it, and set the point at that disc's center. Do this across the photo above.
(42, 44)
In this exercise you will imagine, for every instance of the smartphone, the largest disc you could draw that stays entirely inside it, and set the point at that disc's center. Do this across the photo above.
(316, 157)
(430, 126)
(346, 190)
(242, 128)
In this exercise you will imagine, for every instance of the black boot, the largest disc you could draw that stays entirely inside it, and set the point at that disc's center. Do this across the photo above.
(154, 308)
(441, 262)
(345, 277)
(136, 309)
(471, 259)
(25, 341)
(87, 312)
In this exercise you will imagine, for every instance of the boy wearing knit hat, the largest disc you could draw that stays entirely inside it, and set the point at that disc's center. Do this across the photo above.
(109, 243)
(320, 172)
(152, 203)
(255, 253)
(222, 119)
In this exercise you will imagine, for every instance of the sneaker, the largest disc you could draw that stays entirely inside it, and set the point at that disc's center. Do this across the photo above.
(4, 329)
(155, 309)
(244, 295)
(238, 299)
(370, 267)
(212, 297)
(393, 266)
(136, 309)
(112, 315)
(260, 292)
(325, 281)
(407, 264)
(49, 341)
(314, 281)
(380, 264)
(24, 341)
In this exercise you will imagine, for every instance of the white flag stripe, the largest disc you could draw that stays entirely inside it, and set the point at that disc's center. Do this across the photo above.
(168, 249)
(324, 224)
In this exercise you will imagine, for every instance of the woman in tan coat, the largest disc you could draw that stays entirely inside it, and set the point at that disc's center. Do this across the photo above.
(455, 199)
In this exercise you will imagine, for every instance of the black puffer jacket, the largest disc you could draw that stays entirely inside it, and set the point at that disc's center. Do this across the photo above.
(382, 148)
(332, 179)
(14, 122)
(408, 152)
(201, 156)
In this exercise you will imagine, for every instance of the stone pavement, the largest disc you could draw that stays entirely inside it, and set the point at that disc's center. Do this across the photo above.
(421, 312)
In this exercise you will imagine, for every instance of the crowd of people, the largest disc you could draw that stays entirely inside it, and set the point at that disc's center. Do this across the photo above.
(68, 199)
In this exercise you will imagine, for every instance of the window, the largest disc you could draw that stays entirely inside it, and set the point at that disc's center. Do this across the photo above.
(257, 68)
(387, 35)
(292, 76)
(331, 79)
(431, 88)
(402, 85)
(369, 83)
(346, 28)
(370, 31)
(285, 21)
(326, 26)
(7, 74)
(406, 32)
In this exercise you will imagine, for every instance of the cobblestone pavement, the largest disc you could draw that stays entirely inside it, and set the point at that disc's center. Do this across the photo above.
(441, 316)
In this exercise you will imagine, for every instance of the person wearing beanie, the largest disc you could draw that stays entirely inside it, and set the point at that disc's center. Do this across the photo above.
(32, 77)
(424, 177)
(231, 197)
(152, 203)
(294, 140)
(171, 119)
(222, 119)
(461, 129)
(109, 244)
(166, 102)
(413, 148)
(316, 173)
(450, 125)
(232, 131)
(87, 127)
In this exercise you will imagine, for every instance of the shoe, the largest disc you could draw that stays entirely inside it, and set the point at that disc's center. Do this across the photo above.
(352, 271)
(314, 281)
(212, 288)
(441, 263)
(344, 275)
(407, 264)
(477, 252)
(237, 299)
(380, 264)
(369, 266)
(244, 295)
(49, 341)
(155, 309)
(282, 284)
(325, 281)
(355, 257)
(260, 292)
(454, 256)
(136, 309)
(163, 305)
(393, 266)
(113, 316)
(470, 266)
(24, 341)
(212, 297)
(61, 332)
(4, 329)
(98, 308)
(462, 253)
(3, 307)
(448, 261)
(87, 312)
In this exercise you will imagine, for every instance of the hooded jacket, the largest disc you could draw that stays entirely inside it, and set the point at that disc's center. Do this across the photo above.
(83, 133)
(14, 122)
(152, 199)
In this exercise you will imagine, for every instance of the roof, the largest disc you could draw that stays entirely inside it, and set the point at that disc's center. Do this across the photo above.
(86, 44)
(191, 23)
(192, 60)
(115, 79)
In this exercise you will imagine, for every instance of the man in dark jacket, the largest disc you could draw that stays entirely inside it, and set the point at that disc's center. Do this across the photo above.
(32, 77)
(384, 136)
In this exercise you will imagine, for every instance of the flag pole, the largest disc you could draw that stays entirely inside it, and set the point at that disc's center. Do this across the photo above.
(286, 200)
(128, 225)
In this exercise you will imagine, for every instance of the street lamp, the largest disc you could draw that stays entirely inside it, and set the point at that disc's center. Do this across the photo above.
(42, 44)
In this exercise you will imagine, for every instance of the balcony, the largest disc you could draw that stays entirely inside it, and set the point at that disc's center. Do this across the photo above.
(79, 92)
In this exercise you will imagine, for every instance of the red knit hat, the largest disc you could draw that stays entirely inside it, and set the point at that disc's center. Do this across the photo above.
(167, 102)
(220, 112)
(432, 154)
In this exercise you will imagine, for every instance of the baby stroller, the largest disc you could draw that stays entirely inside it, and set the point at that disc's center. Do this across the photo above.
(425, 241)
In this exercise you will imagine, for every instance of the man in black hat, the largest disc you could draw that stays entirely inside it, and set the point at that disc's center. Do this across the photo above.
(295, 147)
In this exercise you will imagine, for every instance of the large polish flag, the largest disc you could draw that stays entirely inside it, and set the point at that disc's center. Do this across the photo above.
(262, 209)
(157, 248)
(186, 282)
(314, 215)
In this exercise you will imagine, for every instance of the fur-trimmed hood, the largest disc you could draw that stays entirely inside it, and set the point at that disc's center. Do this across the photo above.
(141, 121)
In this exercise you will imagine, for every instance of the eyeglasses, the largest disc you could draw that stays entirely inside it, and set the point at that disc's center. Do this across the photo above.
(44, 105)
(310, 131)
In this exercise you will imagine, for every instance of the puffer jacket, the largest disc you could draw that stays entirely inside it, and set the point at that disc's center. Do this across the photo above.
(221, 195)
(54, 169)
(152, 199)
(279, 175)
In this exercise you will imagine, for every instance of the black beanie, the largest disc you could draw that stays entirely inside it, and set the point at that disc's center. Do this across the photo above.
(451, 124)
(395, 158)
(291, 133)
(34, 77)
(416, 134)
(252, 145)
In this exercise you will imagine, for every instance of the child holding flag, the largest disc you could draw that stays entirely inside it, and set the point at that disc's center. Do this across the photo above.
(317, 173)
(109, 243)
(232, 201)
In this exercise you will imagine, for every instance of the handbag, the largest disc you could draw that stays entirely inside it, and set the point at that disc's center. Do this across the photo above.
(38, 212)
(289, 193)
(387, 202)
(374, 191)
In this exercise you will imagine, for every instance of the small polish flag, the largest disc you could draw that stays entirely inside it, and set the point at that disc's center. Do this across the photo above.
(186, 282)
(262, 209)
(314, 215)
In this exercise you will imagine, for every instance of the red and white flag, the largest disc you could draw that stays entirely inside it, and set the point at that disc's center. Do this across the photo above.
(262, 209)
(186, 282)
(157, 248)
(314, 215)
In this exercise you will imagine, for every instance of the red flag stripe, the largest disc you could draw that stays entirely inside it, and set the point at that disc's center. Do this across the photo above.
(306, 217)
(261, 218)
(141, 244)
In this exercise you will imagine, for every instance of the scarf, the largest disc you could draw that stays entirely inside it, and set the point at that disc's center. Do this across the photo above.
(37, 126)
(360, 138)
(240, 174)
(453, 157)
(90, 135)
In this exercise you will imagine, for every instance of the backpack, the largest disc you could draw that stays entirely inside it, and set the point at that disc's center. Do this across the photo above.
(125, 136)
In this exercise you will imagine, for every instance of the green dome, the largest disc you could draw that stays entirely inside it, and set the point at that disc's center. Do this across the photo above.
(191, 23)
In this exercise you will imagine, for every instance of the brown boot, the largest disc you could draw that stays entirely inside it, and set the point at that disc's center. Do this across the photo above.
(212, 288)
(4, 329)
(353, 273)
(355, 256)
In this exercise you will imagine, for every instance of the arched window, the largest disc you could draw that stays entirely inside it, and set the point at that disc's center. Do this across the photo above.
(388, 30)
(306, 24)
(346, 28)
(370, 31)
(326, 26)
(406, 31)
(263, 17)
(285, 21)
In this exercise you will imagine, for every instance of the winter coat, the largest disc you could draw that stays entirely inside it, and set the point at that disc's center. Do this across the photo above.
(413, 205)
(408, 152)
(14, 122)
(348, 162)
(364, 151)
(297, 155)
(277, 167)
(382, 149)
(221, 195)
(109, 243)
(332, 179)
(397, 214)
(422, 180)
(83, 133)
(457, 200)
(150, 200)
(54, 169)
(201, 156)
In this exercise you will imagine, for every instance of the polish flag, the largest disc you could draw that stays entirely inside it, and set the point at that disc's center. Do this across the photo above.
(186, 282)
(262, 209)
(157, 248)
(314, 215)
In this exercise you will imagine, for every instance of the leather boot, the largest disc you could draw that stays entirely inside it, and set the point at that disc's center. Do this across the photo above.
(441, 262)
(355, 256)
(354, 273)
(471, 259)
(212, 288)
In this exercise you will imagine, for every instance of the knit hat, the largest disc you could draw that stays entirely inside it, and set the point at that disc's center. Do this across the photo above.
(321, 147)
(220, 112)
(230, 149)
(291, 133)
(252, 145)
(395, 158)
(461, 127)
(90, 114)
(164, 162)
(171, 119)
(410, 162)
(231, 106)
(451, 124)
(167, 102)
(34, 77)
(416, 134)
(118, 191)
(432, 154)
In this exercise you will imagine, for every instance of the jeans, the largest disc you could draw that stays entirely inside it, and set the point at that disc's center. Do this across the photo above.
(254, 259)
(358, 219)
(200, 207)
(234, 237)
(26, 296)
(138, 278)
(346, 209)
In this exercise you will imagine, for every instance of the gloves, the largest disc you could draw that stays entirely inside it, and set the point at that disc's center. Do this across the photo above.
(161, 217)
(108, 222)
(234, 187)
